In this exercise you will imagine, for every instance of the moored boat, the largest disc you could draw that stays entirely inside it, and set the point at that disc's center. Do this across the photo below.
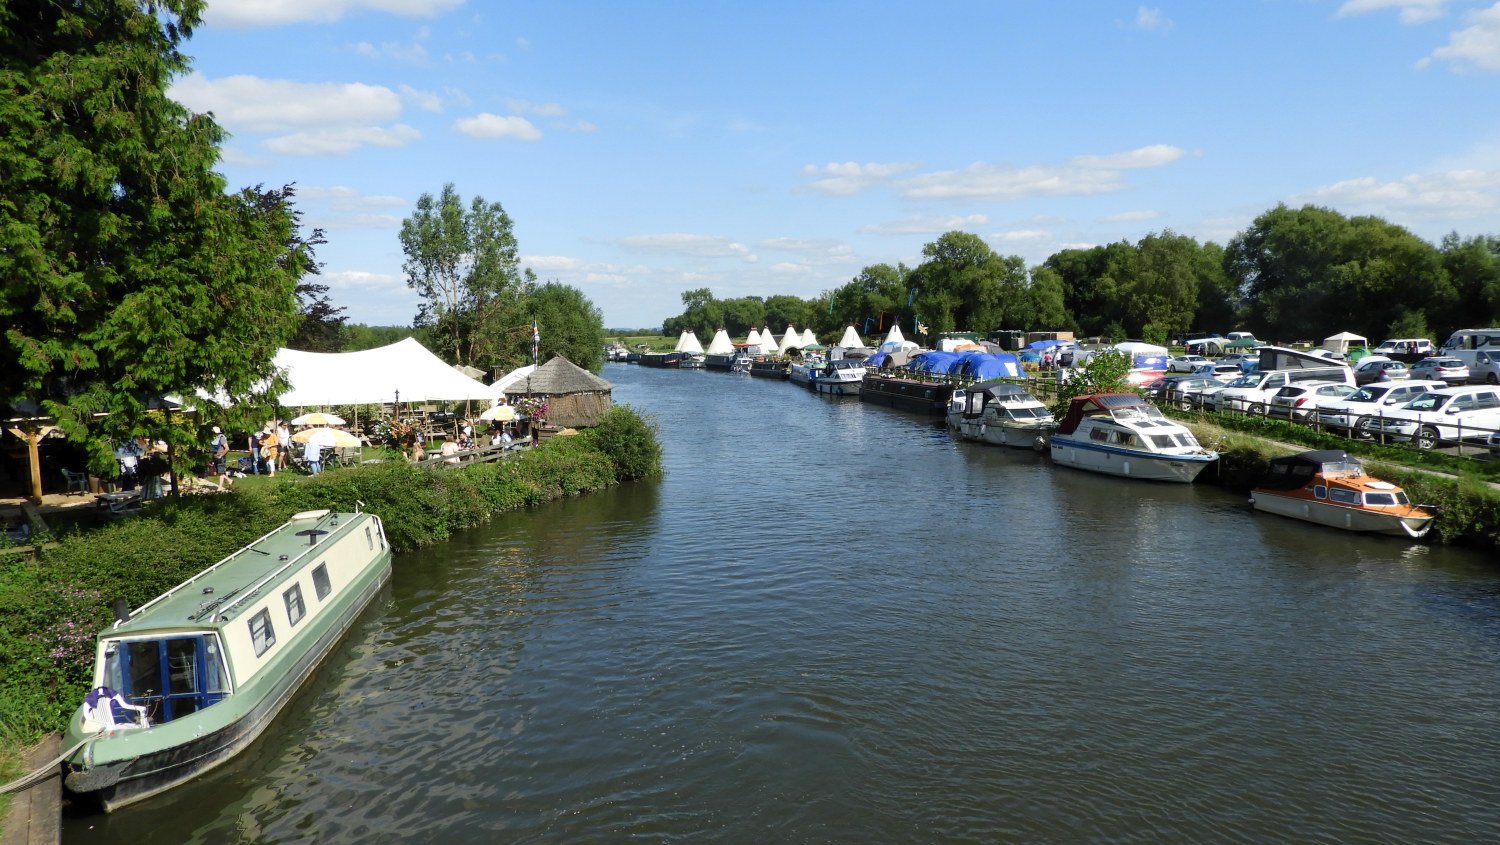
(191, 678)
(908, 394)
(1120, 434)
(1331, 488)
(763, 368)
(662, 359)
(1000, 413)
(806, 371)
(841, 378)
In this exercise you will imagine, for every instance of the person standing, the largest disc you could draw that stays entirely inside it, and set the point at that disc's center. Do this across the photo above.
(284, 440)
(313, 454)
(218, 450)
(270, 448)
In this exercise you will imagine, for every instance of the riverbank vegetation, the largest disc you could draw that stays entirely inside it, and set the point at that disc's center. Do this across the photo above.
(52, 608)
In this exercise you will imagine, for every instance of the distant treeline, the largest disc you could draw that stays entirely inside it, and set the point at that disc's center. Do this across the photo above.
(1294, 274)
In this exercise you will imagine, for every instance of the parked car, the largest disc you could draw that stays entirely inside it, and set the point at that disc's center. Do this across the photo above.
(1406, 349)
(1188, 395)
(1186, 363)
(1250, 392)
(1450, 370)
(1358, 412)
(1301, 401)
(1218, 371)
(1373, 369)
(1447, 415)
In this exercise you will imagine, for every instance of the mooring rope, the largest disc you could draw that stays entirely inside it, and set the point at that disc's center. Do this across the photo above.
(46, 770)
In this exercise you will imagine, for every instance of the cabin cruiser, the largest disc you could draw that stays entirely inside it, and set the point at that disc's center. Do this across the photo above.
(1001, 413)
(841, 377)
(1329, 487)
(1120, 434)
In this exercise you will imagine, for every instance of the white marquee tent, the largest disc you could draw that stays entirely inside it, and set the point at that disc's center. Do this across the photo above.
(373, 376)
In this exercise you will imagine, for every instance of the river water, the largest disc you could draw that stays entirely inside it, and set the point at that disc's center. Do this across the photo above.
(832, 622)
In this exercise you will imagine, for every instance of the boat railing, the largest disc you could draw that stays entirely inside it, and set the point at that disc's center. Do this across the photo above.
(249, 547)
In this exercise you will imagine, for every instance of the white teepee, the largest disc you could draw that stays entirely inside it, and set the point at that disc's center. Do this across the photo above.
(680, 339)
(689, 343)
(851, 338)
(721, 344)
(768, 341)
(894, 336)
(808, 338)
(754, 339)
(791, 338)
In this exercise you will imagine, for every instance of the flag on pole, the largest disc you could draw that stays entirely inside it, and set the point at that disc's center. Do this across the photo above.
(536, 342)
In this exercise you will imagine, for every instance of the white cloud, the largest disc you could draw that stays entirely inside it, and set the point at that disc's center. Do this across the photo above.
(362, 282)
(849, 178)
(813, 252)
(1130, 216)
(360, 221)
(1474, 48)
(414, 54)
(331, 142)
(343, 198)
(237, 156)
(789, 268)
(1081, 176)
(932, 224)
(1152, 20)
(690, 246)
(1412, 11)
(252, 104)
(523, 43)
(1455, 194)
(1022, 237)
(568, 264)
(543, 109)
(424, 100)
(245, 14)
(486, 125)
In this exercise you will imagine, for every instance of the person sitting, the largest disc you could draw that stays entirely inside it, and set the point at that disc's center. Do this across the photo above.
(450, 451)
(312, 453)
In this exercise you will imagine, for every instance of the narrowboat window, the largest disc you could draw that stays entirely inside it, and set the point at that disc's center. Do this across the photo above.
(1343, 497)
(1320, 492)
(171, 677)
(262, 634)
(294, 609)
(321, 584)
(369, 538)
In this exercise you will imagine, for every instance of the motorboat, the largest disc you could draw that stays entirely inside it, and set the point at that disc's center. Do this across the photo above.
(806, 371)
(842, 377)
(1000, 413)
(191, 678)
(1120, 434)
(1331, 488)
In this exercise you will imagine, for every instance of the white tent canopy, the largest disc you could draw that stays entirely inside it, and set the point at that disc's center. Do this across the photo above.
(754, 338)
(1343, 340)
(1138, 349)
(791, 338)
(721, 344)
(373, 376)
(497, 390)
(689, 343)
(851, 338)
(810, 339)
(768, 341)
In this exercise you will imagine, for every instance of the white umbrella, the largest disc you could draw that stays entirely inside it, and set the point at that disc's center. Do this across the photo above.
(335, 437)
(318, 418)
(500, 413)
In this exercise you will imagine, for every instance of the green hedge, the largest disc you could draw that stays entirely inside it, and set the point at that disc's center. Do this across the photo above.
(52, 608)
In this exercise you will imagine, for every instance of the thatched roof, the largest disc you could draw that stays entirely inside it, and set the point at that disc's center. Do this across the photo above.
(559, 377)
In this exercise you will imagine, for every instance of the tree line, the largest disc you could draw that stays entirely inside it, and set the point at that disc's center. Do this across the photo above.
(1293, 274)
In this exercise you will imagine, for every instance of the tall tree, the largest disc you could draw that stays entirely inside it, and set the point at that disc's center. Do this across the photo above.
(466, 267)
(958, 281)
(126, 272)
(570, 325)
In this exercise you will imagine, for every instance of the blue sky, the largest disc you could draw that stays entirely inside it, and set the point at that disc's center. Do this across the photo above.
(648, 148)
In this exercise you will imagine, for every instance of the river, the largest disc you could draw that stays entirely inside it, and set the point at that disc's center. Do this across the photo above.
(833, 622)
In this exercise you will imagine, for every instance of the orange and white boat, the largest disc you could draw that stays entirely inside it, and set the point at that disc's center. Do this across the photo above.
(1330, 488)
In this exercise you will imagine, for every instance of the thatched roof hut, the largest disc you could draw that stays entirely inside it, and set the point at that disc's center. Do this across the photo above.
(575, 396)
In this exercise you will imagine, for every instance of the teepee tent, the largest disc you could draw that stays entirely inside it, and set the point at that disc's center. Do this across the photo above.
(808, 338)
(677, 347)
(754, 339)
(721, 344)
(768, 341)
(689, 343)
(851, 338)
(791, 338)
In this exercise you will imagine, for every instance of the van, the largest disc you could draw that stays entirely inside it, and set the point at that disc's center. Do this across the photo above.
(1468, 345)
(1408, 350)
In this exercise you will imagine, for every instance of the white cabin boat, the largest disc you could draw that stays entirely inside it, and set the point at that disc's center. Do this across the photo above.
(841, 378)
(1000, 413)
(1120, 434)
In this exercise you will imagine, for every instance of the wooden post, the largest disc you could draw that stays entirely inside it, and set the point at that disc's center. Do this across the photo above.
(32, 438)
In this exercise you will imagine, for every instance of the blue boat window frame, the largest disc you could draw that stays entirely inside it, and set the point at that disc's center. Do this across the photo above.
(209, 677)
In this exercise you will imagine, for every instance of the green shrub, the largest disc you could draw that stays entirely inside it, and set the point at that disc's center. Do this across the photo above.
(629, 439)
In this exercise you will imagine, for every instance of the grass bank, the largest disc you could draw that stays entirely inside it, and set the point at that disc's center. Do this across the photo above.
(52, 608)
(1460, 490)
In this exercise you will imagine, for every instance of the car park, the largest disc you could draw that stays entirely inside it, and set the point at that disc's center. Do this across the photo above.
(1360, 410)
(1375, 368)
(1447, 369)
(1301, 401)
(1452, 414)
(1186, 363)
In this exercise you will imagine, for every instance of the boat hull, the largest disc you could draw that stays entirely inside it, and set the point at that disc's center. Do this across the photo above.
(919, 397)
(769, 369)
(834, 387)
(718, 362)
(1127, 463)
(1341, 516)
(1019, 436)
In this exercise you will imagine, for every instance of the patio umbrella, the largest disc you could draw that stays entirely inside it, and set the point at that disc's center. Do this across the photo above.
(334, 437)
(318, 418)
(498, 413)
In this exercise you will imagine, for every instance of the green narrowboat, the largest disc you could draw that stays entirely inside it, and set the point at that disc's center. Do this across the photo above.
(191, 678)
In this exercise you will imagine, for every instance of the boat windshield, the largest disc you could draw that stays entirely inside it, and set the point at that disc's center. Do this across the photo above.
(1385, 499)
(171, 676)
(1138, 412)
(1337, 469)
(1029, 413)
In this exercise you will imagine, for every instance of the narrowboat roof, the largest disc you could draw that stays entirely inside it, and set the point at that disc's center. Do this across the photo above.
(214, 596)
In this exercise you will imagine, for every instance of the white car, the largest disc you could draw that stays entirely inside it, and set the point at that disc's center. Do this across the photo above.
(1186, 363)
(1361, 409)
(1451, 414)
(1250, 392)
(1219, 371)
(1300, 401)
